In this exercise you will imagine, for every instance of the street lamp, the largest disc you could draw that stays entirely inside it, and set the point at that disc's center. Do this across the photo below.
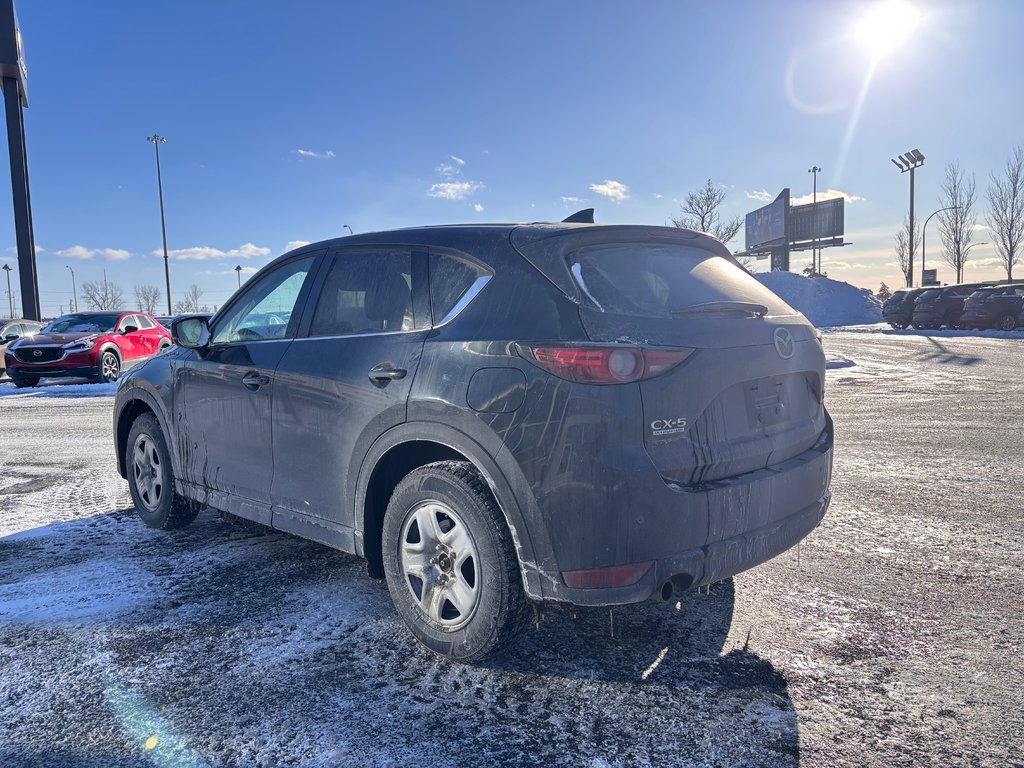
(156, 141)
(10, 296)
(924, 234)
(815, 256)
(910, 161)
(346, 226)
(238, 272)
(74, 291)
(973, 245)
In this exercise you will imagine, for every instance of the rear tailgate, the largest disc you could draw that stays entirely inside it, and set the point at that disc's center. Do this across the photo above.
(749, 396)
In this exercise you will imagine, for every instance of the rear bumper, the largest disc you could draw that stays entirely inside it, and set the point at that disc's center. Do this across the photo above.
(751, 519)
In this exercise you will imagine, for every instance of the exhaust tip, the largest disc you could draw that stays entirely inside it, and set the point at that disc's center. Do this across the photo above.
(665, 593)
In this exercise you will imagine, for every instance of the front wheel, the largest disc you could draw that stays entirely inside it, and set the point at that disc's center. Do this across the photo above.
(450, 564)
(151, 478)
(108, 367)
(1007, 322)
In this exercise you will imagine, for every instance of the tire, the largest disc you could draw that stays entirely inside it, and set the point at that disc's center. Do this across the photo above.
(465, 599)
(108, 367)
(151, 478)
(1007, 322)
(21, 382)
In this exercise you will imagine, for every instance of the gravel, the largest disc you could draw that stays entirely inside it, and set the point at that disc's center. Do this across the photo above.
(891, 637)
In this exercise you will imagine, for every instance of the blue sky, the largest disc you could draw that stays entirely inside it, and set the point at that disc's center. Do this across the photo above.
(424, 113)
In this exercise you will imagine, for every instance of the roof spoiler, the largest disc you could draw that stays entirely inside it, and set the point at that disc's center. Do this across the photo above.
(586, 216)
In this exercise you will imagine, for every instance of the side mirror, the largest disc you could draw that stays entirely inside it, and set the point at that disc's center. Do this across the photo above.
(11, 337)
(128, 329)
(191, 332)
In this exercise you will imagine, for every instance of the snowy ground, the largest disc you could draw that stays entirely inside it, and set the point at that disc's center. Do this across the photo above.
(893, 639)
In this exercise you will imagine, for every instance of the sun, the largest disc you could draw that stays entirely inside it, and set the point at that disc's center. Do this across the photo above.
(885, 26)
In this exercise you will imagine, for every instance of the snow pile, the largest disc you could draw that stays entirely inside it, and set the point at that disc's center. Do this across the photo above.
(822, 301)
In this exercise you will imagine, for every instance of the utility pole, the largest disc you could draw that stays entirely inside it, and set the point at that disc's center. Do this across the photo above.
(910, 161)
(156, 141)
(10, 296)
(815, 255)
(74, 291)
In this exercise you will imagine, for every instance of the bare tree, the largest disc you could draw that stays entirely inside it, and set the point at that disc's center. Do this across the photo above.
(1006, 211)
(700, 212)
(956, 226)
(103, 294)
(903, 255)
(190, 302)
(147, 297)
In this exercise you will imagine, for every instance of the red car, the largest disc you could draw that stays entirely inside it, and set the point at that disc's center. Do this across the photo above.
(92, 345)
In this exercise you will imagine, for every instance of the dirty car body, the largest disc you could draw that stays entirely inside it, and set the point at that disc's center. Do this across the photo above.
(646, 416)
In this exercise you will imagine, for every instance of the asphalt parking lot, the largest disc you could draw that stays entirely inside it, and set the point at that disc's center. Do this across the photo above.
(891, 638)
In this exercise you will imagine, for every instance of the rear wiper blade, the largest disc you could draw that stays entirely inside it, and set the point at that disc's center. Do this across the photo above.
(723, 308)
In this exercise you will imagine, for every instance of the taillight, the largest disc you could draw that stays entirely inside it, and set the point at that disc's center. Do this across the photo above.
(606, 364)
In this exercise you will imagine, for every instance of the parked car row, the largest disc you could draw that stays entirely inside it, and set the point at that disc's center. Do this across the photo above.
(970, 305)
(91, 345)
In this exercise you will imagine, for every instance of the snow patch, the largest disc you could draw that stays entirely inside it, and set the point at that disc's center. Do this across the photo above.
(823, 301)
(77, 389)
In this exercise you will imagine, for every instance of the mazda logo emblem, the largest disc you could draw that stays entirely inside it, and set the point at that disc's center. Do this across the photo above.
(38, 353)
(784, 343)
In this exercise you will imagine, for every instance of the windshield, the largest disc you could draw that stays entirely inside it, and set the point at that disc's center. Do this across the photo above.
(83, 324)
(665, 280)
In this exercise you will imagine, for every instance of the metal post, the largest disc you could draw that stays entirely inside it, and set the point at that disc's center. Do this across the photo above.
(157, 140)
(910, 255)
(10, 296)
(22, 200)
(238, 272)
(815, 253)
(924, 236)
(74, 291)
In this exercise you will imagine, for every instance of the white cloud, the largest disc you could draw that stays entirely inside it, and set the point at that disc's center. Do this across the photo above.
(572, 200)
(827, 194)
(14, 249)
(761, 195)
(454, 190)
(83, 253)
(616, 190)
(204, 252)
(658, 196)
(291, 245)
(328, 155)
(478, 208)
(457, 160)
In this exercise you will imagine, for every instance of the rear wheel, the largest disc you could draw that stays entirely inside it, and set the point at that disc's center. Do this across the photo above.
(108, 367)
(1007, 322)
(151, 478)
(450, 563)
(21, 382)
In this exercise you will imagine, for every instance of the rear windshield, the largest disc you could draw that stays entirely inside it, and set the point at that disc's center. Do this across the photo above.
(84, 324)
(662, 280)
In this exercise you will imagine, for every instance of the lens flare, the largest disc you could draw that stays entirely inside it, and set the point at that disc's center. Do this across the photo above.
(885, 26)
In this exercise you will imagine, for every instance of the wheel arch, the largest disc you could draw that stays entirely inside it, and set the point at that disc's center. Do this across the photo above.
(137, 403)
(415, 444)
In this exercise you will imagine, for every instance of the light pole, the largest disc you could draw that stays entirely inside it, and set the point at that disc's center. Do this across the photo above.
(346, 226)
(910, 161)
(74, 291)
(156, 141)
(10, 296)
(924, 235)
(815, 256)
(963, 258)
(238, 271)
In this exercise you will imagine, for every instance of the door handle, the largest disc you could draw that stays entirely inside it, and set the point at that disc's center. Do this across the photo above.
(254, 380)
(383, 373)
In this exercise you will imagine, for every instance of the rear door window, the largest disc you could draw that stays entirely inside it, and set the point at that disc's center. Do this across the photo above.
(366, 292)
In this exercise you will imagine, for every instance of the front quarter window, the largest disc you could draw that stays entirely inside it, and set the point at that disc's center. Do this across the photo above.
(266, 308)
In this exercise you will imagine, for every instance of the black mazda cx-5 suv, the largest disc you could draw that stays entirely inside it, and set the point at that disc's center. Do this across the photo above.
(494, 416)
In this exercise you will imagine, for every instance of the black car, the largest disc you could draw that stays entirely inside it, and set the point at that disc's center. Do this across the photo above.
(495, 415)
(898, 309)
(999, 307)
(937, 307)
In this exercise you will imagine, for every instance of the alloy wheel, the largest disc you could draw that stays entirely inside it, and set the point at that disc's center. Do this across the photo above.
(440, 565)
(146, 471)
(109, 366)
